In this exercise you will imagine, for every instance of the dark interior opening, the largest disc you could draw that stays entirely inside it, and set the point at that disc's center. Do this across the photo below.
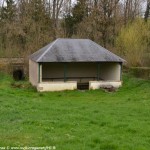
(83, 86)
(18, 74)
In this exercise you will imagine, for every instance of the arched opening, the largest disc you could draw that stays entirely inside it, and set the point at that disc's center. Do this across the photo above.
(18, 74)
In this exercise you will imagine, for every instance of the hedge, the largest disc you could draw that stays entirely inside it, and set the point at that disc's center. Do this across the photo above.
(140, 72)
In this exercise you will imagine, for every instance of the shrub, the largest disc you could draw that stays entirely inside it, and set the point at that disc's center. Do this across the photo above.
(133, 42)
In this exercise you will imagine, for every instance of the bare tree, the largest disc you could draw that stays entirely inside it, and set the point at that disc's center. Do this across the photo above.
(147, 12)
(132, 9)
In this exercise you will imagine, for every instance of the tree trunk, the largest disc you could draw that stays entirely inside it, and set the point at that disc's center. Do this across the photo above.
(147, 12)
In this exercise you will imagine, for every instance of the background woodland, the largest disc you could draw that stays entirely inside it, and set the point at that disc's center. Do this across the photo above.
(122, 26)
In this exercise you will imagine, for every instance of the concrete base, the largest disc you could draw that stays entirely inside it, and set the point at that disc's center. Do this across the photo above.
(101, 84)
(56, 86)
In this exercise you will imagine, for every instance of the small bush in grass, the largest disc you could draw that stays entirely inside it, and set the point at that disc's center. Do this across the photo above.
(21, 85)
(141, 72)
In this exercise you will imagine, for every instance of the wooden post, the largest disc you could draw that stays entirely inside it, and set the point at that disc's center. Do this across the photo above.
(65, 71)
(120, 71)
(98, 71)
(40, 73)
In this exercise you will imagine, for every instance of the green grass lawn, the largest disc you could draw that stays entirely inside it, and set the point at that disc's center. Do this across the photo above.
(76, 120)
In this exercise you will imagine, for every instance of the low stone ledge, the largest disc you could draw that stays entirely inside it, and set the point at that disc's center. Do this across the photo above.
(56, 86)
(93, 85)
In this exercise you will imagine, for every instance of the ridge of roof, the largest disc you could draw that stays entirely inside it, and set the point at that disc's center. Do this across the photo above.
(47, 49)
(40, 50)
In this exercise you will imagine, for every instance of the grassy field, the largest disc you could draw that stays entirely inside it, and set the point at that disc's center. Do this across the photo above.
(76, 120)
